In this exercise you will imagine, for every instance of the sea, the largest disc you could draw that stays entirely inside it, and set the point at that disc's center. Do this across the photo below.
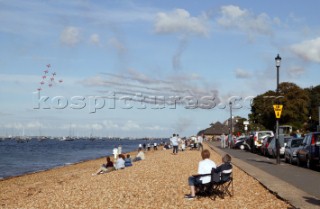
(19, 158)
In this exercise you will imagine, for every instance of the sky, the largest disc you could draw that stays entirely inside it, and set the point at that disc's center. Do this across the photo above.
(147, 68)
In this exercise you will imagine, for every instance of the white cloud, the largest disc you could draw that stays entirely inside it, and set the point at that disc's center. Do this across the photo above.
(70, 36)
(130, 125)
(94, 39)
(295, 71)
(308, 50)
(118, 45)
(242, 73)
(235, 17)
(35, 125)
(110, 124)
(180, 21)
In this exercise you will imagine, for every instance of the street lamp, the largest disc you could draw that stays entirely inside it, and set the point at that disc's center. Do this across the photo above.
(278, 62)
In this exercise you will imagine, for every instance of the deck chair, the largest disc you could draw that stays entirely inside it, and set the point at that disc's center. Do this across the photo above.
(222, 184)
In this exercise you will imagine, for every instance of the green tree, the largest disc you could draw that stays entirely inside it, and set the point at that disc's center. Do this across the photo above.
(314, 95)
(295, 103)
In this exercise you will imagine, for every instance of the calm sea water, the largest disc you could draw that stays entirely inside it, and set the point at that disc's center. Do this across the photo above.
(28, 157)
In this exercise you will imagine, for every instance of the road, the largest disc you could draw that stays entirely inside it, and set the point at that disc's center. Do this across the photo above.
(304, 179)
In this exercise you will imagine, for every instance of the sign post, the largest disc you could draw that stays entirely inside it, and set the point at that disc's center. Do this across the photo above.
(277, 110)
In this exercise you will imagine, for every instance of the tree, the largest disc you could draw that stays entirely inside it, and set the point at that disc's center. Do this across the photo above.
(295, 103)
(314, 95)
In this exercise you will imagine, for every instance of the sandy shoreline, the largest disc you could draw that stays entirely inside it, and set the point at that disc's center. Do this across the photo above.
(158, 182)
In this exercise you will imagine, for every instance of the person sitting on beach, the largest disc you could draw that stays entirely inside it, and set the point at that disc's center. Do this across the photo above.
(140, 156)
(205, 167)
(105, 168)
(120, 162)
(128, 161)
(226, 165)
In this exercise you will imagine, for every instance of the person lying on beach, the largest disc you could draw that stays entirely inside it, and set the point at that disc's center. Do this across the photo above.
(140, 156)
(105, 168)
(128, 161)
(205, 167)
(120, 162)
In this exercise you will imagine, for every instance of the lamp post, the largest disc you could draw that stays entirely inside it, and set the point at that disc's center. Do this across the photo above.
(231, 126)
(278, 62)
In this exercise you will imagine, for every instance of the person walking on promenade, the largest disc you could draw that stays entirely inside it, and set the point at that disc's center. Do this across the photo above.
(223, 140)
(200, 141)
(205, 167)
(175, 143)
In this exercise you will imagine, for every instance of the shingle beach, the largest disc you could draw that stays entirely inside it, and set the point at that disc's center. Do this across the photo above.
(160, 181)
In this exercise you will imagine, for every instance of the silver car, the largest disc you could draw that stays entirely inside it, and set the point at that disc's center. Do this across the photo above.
(271, 150)
(290, 152)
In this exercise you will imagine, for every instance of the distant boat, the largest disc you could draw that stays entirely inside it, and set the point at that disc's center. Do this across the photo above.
(68, 138)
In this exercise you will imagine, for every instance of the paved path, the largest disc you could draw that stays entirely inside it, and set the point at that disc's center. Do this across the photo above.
(299, 186)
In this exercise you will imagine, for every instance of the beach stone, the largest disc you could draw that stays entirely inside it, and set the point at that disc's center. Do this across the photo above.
(159, 181)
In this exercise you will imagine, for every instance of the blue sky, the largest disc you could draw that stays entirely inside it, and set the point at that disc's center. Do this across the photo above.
(113, 59)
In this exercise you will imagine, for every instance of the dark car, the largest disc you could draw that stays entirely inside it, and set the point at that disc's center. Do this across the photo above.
(240, 143)
(290, 152)
(309, 151)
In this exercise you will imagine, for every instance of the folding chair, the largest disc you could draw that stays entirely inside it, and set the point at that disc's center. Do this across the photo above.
(221, 183)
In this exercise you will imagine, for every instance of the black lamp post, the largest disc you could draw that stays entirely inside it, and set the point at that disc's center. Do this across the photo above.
(278, 62)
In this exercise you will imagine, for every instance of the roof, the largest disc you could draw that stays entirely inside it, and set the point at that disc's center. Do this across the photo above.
(217, 129)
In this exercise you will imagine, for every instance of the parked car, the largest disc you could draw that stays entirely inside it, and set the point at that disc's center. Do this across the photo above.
(309, 151)
(272, 147)
(240, 143)
(258, 137)
(290, 151)
(265, 144)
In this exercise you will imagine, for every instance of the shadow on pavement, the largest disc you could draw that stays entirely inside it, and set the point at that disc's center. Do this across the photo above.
(312, 200)
(262, 161)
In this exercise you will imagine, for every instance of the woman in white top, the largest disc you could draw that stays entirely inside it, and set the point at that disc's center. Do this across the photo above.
(120, 162)
(140, 156)
(205, 167)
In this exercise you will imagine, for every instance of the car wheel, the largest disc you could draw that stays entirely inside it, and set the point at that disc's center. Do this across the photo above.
(298, 161)
(285, 159)
(309, 163)
(242, 147)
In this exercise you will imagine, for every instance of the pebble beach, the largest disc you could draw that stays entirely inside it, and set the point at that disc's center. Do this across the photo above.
(160, 181)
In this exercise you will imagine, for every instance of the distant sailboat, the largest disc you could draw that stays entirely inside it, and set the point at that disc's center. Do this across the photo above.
(91, 135)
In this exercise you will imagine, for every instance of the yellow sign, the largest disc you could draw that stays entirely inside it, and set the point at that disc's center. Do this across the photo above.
(277, 110)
